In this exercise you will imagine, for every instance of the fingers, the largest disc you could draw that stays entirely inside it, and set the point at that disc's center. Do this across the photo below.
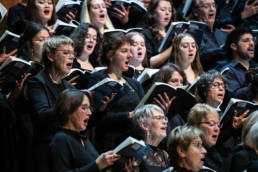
(245, 113)
(12, 52)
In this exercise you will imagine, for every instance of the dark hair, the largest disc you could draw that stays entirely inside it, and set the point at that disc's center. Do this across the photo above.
(31, 13)
(164, 74)
(251, 78)
(67, 103)
(196, 64)
(202, 86)
(150, 18)
(25, 42)
(234, 37)
(78, 36)
(112, 41)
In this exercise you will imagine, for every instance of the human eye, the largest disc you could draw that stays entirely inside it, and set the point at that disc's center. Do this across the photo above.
(94, 38)
(41, 2)
(185, 45)
(194, 45)
(134, 44)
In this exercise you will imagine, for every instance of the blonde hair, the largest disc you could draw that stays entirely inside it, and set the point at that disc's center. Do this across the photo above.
(199, 112)
(85, 16)
(181, 136)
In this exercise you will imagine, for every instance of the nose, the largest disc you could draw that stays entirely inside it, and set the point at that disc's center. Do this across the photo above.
(204, 150)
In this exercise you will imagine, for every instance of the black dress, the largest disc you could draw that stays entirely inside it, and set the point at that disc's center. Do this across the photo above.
(71, 151)
(113, 125)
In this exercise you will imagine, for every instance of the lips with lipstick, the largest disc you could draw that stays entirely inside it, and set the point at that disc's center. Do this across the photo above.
(46, 11)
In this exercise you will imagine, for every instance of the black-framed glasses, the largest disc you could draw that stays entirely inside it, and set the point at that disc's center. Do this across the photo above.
(212, 124)
(160, 118)
(218, 84)
(87, 108)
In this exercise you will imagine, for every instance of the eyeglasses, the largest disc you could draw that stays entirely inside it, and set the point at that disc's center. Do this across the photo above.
(67, 52)
(160, 118)
(218, 84)
(212, 124)
(198, 145)
(86, 108)
(247, 40)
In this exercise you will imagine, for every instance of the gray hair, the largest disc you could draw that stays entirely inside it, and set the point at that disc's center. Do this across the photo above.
(145, 112)
(50, 46)
(253, 136)
(250, 121)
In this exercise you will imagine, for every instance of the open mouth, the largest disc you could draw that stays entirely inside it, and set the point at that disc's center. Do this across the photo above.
(102, 16)
(46, 12)
(220, 96)
(214, 137)
(140, 53)
(89, 47)
(85, 121)
(211, 15)
(69, 65)
(164, 128)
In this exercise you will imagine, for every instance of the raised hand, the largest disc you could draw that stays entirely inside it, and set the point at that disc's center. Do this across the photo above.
(5, 56)
(105, 101)
(239, 120)
(70, 16)
(249, 9)
(164, 101)
(122, 15)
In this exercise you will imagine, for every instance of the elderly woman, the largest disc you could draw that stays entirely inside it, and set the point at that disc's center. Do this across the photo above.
(43, 90)
(211, 89)
(185, 149)
(246, 152)
(206, 118)
(113, 123)
(152, 122)
(69, 149)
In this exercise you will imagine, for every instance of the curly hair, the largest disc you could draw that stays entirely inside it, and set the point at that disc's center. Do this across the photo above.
(78, 36)
(202, 86)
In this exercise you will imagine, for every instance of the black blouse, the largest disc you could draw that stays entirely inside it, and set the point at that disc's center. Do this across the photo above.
(71, 151)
